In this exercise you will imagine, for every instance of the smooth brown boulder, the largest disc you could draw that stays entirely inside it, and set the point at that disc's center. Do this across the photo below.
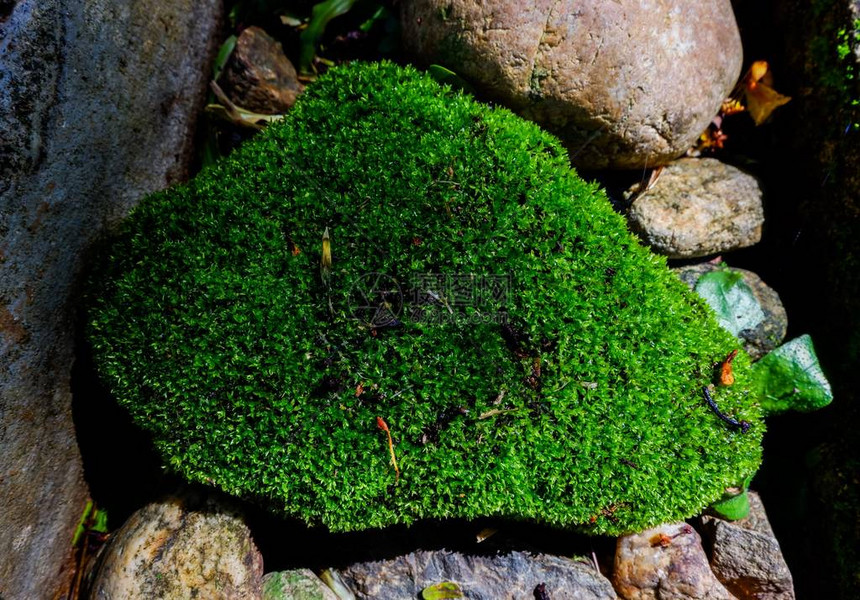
(624, 83)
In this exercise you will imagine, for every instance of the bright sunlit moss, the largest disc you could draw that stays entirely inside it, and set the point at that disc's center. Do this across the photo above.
(530, 359)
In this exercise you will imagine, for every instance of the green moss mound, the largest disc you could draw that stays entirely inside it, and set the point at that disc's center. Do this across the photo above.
(530, 359)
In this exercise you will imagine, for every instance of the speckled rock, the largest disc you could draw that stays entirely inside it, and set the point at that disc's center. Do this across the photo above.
(512, 576)
(746, 556)
(97, 108)
(665, 563)
(181, 548)
(297, 584)
(624, 83)
(259, 77)
(768, 334)
(697, 207)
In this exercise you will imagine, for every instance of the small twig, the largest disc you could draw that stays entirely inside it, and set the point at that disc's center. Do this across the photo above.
(384, 427)
(742, 425)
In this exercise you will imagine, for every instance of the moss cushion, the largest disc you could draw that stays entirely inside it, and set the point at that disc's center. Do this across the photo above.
(529, 358)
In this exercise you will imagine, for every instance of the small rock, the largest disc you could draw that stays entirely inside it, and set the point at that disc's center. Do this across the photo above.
(298, 584)
(259, 77)
(699, 206)
(624, 84)
(667, 562)
(508, 576)
(181, 548)
(746, 556)
(768, 334)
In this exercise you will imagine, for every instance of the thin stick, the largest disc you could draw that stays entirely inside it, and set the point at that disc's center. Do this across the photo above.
(384, 427)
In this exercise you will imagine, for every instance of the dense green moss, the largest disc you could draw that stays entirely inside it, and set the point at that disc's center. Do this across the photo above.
(213, 326)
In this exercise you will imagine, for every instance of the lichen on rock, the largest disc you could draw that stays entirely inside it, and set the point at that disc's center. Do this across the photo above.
(528, 357)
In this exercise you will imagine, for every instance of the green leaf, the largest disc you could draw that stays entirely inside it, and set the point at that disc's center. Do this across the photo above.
(223, 56)
(82, 524)
(100, 521)
(443, 75)
(442, 591)
(732, 508)
(731, 299)
(790, 378)
(322, 13)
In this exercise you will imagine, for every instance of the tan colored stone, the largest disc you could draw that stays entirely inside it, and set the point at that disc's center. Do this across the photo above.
(665, 563)
(624, 83)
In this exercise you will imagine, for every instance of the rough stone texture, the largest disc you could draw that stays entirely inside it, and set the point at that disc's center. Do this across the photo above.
(298, 584)
(625, 83)
(181, 548)
(259, 77)
(697, 207)
(97, 100)
(770, 332)
(746, 556)
(504, 577)
(665, 563)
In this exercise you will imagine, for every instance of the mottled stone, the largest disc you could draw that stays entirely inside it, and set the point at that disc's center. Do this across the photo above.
(298, 584)
(181, 548)
(697, 207)
(768, 334)
(665, 563)
(624, 83)
(746, 556)
(259, 77)
(97, 107)
(503, 577)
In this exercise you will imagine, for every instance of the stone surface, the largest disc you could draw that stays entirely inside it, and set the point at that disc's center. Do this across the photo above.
(97, 103)
(624, 83)
(697, 207)
(181, 548)
(746, 557)
(665, 563)
(259, 77)
(770, 332)
(298, 584)
(507, 576)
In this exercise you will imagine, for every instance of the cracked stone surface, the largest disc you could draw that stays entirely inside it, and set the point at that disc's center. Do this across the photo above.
(624, 83)
(181, 548)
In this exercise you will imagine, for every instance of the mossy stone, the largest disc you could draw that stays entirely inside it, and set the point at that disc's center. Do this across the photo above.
(535, 361)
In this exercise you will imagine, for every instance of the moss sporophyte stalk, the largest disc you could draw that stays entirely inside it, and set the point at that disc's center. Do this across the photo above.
(528, 358)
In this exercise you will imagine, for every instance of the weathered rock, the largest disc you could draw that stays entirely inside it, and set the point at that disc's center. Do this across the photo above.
(97, 104)
(298, 584)
(666, 562)
(507, 576)
(624, 84)
(181, 548)
(768, 334)
(259, 77)
(699, 206)
(746, 556)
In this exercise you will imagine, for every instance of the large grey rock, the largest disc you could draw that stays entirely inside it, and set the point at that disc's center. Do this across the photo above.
(746, 556)
(697, 207)
(504, 577)
(180, 548)
(97, 103)
(625, 83)
(665, 563)
(770, 332)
